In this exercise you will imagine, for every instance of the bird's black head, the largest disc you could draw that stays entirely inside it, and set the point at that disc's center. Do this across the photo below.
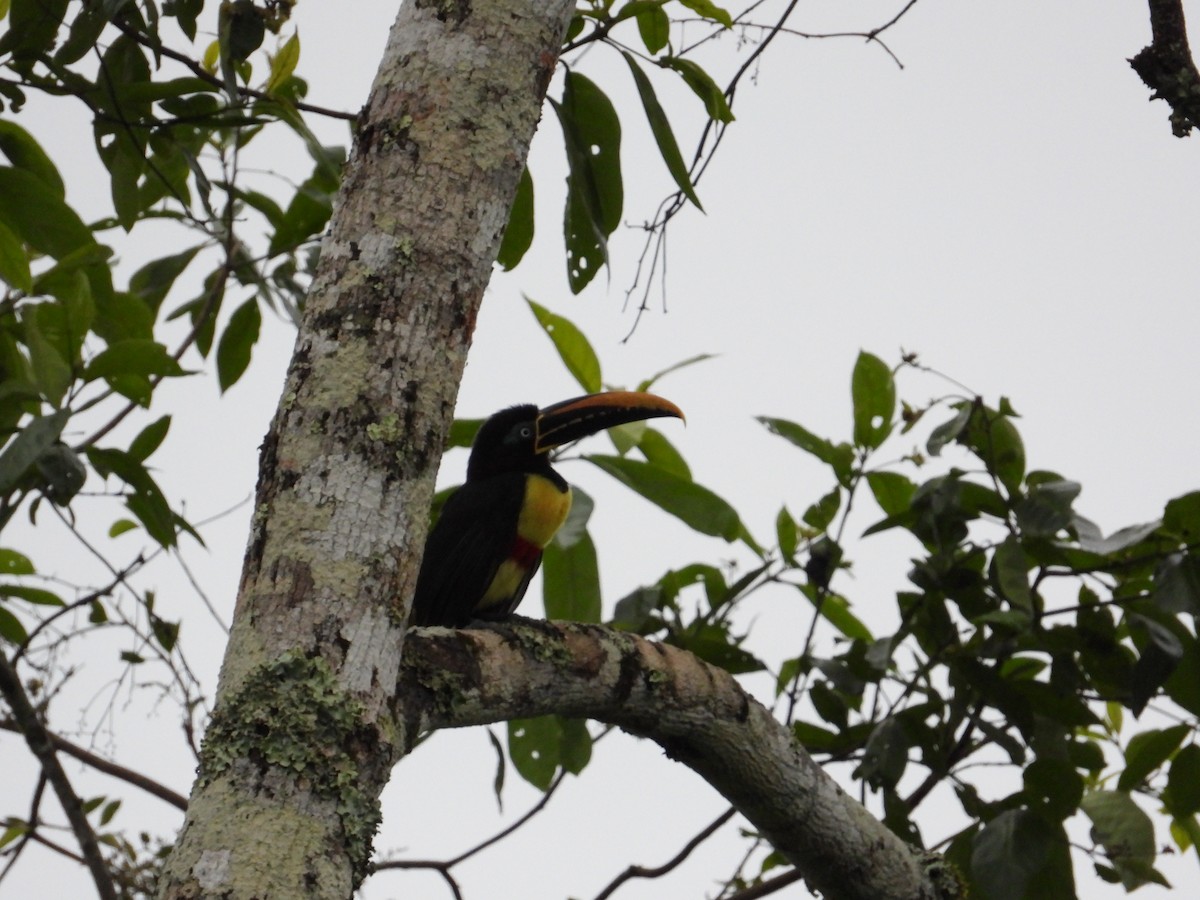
(519, 439)
(506, 442)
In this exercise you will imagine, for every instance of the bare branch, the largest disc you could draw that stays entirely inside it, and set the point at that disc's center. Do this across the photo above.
(42, 747)
(671, 864)
(1167, 68)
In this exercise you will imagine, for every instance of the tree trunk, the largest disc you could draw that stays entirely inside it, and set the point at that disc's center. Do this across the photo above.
(286, 801)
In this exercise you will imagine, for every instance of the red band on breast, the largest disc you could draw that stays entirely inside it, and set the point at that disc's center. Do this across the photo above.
(525, 553)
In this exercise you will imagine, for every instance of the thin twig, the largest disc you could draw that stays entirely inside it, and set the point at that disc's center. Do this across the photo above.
(42, 747)
(671, 864)
(100, 764)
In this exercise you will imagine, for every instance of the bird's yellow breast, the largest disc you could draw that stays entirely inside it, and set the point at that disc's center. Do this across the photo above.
(544, 510)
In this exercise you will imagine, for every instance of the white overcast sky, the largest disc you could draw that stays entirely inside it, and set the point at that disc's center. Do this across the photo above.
(1009, 205)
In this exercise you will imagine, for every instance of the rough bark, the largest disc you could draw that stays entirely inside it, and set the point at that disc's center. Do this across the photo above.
(303, 739)
(698, 714)
(1167, 68)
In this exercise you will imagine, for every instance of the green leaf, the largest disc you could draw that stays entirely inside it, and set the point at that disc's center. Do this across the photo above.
(996, 441)
(654, 25)
(571, 581)
(63, 474)
(709, 10)
(149, 439)
(32, 27)
(1147, 751)
(518, 233)
(36, 214)
(874, 393)
(36, 596)
(30, 443)
(137, 356)
(24, 152)
(573, 348)
(948, 431)
(835, 609)
(662, 453)
(1183, 783)
(121, 526)
(1181, 517)
(533, 747)
(660, 126)
(154, 280)
(51, 372)
(1125, 831)
(840, 458)
(1056, 783)
(702, 86)
(237, 342)
(14, 261)
(698, 507)
(786, 533)
(14, 563)
(1018, 854)
(11, 628)
(575, 744)
(283, 63)
(1012, 574)
(821, 513)
(146, 501)
(893, 492)
(595, 195)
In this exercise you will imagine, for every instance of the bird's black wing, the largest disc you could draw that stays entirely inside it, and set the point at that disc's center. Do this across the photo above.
(473, 535)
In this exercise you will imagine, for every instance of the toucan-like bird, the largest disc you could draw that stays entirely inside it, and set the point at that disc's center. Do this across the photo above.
(488, 541)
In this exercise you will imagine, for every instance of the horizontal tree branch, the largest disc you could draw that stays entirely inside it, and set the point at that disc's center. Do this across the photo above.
(696, 712)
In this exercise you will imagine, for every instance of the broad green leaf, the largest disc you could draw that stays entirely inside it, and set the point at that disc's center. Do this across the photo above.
(1147, 751)
(835, 609)
(11, 628)
(283, 63)
(996, 441)
(702, 86)
(1183, 782)
(709, 10)
(574, 529)
(14, 261)
(1018, 854)
(948, 431)
(518, 233)
(874, 393)
(1125, 831)
(32, 27)
(154, 280)
(786, 533)
(1012, 574)
(37, 215)
(24, 152)
(121, 526)
(573, 348)
(309, 209)
(575, 744)
(1161, 652)
(1177, 584)
(1056, 783)
(821, 513)
(51, 372)
(146, 500)
(662, 453)
(1118, 540)
(885, 756)
(36, 596)
(838, 457)
(698, 507)
(571, 581)
(14, 563)
(893, 492)
(30, 442)
(133, 357)
(149, 439)
(237, 342)
(654, 25)
(1182, 517)
(595, 195)
(533, 746)
(660, 126)
(83, 35)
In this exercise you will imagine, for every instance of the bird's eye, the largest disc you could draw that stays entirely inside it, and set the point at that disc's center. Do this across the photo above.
(526, 431)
